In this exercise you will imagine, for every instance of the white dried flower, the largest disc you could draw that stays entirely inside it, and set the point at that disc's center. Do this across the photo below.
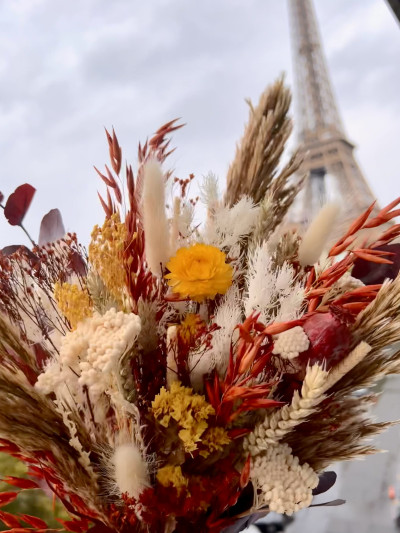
(130, 470)
(209, 193)
(291, 343)
(348, 283)
(230, 224)
(273, 292)
(89, 356)
(284, 485)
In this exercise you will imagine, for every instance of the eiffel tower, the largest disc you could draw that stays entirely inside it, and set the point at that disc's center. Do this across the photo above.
(332, 172)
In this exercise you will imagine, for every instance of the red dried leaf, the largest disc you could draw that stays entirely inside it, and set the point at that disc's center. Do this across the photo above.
(18, 204)
(35, 471)
(9, 519)
(34, 521)
(372, 258)
(1, 197)
(107, 210)
(238, 433)
(27, 530)
(115, 151)
(101, 528)
(51, 227)
(103, 177)
(114, 185)
(7, 497)
(21, 483)
(358, 223)
(77, 526)
(245, 474)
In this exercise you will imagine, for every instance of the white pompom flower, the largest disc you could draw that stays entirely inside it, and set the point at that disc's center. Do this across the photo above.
(283, 484)
(291, 343)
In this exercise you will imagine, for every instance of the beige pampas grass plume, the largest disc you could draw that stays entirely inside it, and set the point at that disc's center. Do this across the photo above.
(155, 221)
(316, 237)
(130, 470)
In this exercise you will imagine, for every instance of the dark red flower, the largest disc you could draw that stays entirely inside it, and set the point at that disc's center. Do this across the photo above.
(330, 340)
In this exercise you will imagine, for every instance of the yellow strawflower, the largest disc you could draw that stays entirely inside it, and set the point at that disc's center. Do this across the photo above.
(199, 272)
(73, 302)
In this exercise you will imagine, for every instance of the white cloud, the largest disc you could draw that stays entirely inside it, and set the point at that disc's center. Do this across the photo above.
(70, 68)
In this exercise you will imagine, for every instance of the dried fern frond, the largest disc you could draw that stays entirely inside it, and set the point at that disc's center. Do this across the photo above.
(254, 171)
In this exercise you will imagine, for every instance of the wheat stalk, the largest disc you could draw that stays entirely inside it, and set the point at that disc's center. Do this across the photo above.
(275, 426)
(254, 171)
(348, 363)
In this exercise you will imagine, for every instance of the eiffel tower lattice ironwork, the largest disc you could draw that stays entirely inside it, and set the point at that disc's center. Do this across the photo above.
(332, 171)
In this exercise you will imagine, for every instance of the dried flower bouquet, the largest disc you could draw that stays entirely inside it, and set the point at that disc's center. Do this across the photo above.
(174, 376)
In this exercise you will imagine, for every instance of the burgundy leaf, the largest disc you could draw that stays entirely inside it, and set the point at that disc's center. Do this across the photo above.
(326, 481)
(42, 355)
(9, 250)
(51, 227)
(18, 204)
(101, 528)
(77, 264)
(333, 503)
(244, 522)
(373, 273)
(1, 197)
(12, 248)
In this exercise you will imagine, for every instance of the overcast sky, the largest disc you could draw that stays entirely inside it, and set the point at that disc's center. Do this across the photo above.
(68, 68)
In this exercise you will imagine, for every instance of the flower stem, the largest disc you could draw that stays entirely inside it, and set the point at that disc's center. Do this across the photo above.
(23, 229)
(27, 234)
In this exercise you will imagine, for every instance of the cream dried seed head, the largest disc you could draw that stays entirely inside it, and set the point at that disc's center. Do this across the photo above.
(291, 343)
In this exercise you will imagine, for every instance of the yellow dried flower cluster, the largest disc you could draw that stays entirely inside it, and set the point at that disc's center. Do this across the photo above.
(105, 253)
(73, 302)
(171, 476)
(214, 439)
(189, 327)
(190, 411)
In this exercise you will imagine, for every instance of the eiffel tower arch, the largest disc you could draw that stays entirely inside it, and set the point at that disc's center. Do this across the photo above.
(332, 171)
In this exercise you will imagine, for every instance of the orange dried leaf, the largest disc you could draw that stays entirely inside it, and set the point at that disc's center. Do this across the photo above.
(372, 258)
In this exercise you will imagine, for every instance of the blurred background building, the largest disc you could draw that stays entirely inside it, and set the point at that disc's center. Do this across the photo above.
(333, 173)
